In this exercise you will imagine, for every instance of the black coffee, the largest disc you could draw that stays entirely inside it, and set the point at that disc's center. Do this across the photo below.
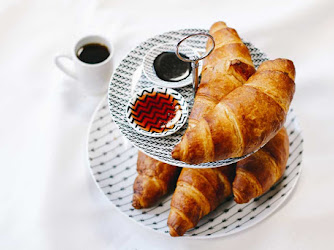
(93, 53)
(170, 68)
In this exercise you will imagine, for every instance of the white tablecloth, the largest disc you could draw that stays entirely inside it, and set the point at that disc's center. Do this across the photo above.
(47, 195)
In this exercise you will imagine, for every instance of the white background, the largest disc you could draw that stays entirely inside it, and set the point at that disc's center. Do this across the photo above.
(48, 200)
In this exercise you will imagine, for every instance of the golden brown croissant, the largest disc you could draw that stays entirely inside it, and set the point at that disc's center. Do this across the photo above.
(258, 172)
(154, 180)
(227, 67)
(245, 119)
(198, 192)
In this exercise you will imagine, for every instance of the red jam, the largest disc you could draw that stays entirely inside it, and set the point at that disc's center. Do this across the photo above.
(156, 112)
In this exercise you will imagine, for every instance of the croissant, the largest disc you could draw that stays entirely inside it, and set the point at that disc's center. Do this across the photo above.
(227, 67)
(258, 172)
(245, 119)
(198, 192)
(155, 179)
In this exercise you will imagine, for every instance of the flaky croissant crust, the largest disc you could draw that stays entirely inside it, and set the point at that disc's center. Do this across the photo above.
(227, 67)
(258, 172)
(198, 192)
(245, 119)
(155, 179)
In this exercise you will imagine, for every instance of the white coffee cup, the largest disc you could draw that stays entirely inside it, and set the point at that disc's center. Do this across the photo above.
(94, 78)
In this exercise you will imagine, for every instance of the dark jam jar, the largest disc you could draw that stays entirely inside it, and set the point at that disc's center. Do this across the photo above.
(156, 112)
(170, 68)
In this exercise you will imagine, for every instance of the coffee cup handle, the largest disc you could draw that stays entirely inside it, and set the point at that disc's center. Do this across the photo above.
(61, 66)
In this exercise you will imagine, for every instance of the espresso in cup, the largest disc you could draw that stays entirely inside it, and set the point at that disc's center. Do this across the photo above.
(91, 57)
(93, 53)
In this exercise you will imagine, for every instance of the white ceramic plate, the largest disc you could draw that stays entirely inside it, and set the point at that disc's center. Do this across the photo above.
(124, 84)
(167, 47)
(112, 160)
(157, 112)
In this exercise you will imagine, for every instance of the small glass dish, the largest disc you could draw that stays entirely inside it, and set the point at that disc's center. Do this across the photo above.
(148, 64)
(157, 111)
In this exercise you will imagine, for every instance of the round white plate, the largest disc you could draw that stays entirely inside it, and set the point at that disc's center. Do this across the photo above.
(168, 47)
(112, 160)
(128, 79)
(171, 93)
